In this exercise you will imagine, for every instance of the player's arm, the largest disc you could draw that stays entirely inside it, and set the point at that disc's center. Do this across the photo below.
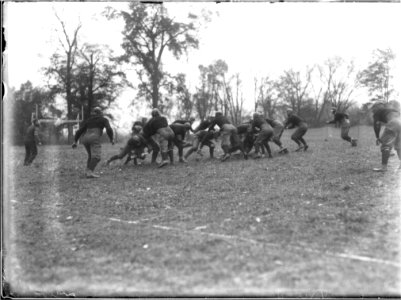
(109, 130)
(211, 126)
(287, 123)
(205, 137)
(36, 136)
(78, 134)
(377, 128)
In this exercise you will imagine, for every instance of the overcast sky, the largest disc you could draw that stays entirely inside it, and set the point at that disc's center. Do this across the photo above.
(255, 39)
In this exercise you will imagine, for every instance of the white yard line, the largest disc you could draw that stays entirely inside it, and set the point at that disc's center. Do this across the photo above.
(233, 237)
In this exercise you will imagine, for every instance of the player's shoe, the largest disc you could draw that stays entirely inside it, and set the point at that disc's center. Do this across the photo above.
(163, 163)
(354, 142)
(306, 147)
(258, 156)
(91, 174)
(382, 169)
(299, 148)
(225, 157)
(183, 160)
(283, 150)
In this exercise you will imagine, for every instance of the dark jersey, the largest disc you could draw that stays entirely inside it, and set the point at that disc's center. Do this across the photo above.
(179, 129)
(136, 141)
(153, 125)
(273, 123)
(243, 128)
(99, 122)
(32, 134)
(219, 121)
(203, 125)
(184, 122)
(293, 121)
(181, 122)
(258, 122)
(339, 118)
(205, 136)
(383, 115)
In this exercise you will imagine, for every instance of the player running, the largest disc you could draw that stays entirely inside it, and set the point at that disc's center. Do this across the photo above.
(92, 130)
(342, 119)
(390, 137)
(294, 121)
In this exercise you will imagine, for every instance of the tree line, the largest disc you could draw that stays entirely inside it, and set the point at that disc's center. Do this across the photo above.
(86, 75)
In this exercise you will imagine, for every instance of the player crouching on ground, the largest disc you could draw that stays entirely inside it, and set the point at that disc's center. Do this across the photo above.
(246, 136)
(180, 130)
(227, 131)
(92, 130)
(391, 135)
(158, 127)
(264, 135)
(343, 120)
(190, 121)
(294, 121)
(135, 146)
(278, 129)
(202, 138)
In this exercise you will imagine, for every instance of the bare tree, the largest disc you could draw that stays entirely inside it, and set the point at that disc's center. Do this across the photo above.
(99, 80)
(293, 89)
(62, 68)
(338, 82)
(234, 102)
(210, 94)
(267, 96)
(377, 76)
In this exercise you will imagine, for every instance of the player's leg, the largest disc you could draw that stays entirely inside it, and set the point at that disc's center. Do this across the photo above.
(237, 141)
(166, 144)
(387, 138)
(96, 152)
(125, 151)
(179, 142)
(33, 152)
(295, 138)
(397, 147)
(27, 153)
(225, 143)
(345, 132)
(268, 134)
(194, 147)
(301, 132)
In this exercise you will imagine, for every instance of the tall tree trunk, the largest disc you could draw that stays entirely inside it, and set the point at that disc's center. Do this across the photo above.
(69, 99)
(155, 93)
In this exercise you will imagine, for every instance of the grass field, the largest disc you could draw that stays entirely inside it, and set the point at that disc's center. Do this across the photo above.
(316, 223)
